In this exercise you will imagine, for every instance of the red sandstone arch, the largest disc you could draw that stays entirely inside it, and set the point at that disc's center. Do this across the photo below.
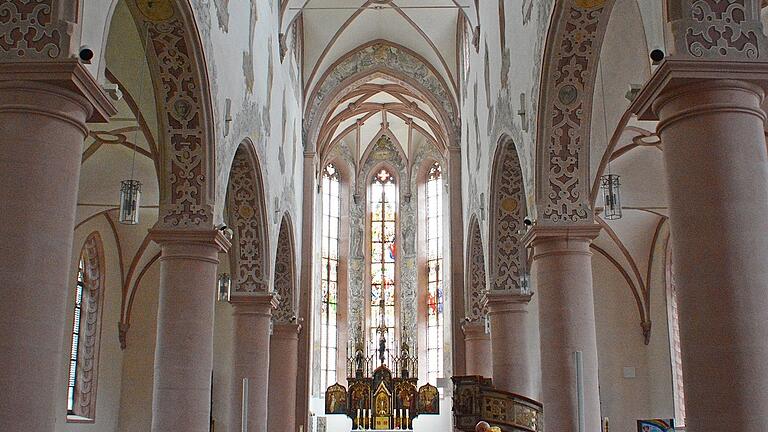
(477, 281)
(285, 274)
(186, 128)
(507, 210)
(246, 211)
(574, 40)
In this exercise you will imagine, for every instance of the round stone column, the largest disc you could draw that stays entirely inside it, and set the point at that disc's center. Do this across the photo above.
(563, 266)
(717, 168)
(184, 348)
(478, 349)
(252, 323)
(511, 344)
(283, 353)
(42, 128)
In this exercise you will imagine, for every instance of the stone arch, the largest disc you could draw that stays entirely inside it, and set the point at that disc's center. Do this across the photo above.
(285, 274)
(185, 112)
(507, 211)
(388, 59)
(477, 281)
(570, 60)
(246, 209)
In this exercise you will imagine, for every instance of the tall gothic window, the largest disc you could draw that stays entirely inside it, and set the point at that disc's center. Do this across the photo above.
(383, 208)
(435, 297)
(75, 352)
(86, 331)
(674, 342)
(330, 275)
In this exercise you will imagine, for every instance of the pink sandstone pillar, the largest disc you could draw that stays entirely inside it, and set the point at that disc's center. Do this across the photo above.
(184, 349)
(283, 352)
(478, 346)
(253, 318)
(712, 127)
(42, 127)
(511, 345)
(563, 265)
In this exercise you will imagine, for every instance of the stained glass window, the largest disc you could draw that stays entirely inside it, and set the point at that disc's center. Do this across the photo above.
(75, 351)
(435, 294)
(383, 208)
(329, 275)
(675, 350)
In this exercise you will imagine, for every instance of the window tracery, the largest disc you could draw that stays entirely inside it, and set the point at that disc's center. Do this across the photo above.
(86, 325)
(435, 294)
(674, 344)
(383, 226)
(331, 185)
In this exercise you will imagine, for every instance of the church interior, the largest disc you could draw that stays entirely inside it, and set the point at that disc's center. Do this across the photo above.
(336, 215)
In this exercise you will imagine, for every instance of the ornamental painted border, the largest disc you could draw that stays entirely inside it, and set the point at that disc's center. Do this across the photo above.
(35, 30)
(247, 215)
(285, 274)
(182, 95)
(568, 77)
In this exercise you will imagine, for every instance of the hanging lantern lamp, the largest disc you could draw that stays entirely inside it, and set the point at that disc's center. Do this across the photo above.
(224, 287)
(130, 196)
(610, 185)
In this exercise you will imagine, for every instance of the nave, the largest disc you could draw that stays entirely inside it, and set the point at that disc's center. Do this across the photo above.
(334, 215)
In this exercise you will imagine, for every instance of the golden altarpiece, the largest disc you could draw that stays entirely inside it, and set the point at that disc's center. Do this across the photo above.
(377, 399)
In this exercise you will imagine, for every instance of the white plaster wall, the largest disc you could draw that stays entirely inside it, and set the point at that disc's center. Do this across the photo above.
(621, 345)
(110, 356)
(661, 392)
(139, 357)
(489, 110)
(623, 61)
(240, 40)
(266, 108)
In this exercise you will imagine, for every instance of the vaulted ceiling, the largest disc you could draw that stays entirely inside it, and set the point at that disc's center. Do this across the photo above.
(332, 28)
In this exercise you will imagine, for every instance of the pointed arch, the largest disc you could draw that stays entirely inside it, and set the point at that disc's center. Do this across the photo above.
(477, 281)
(571, 55)
(285, 274)
(246, 211)
(508, 210)
(86, 330)
(185, 112)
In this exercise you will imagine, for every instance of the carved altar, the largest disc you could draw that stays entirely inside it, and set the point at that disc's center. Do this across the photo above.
(475, 399)
(378, 399)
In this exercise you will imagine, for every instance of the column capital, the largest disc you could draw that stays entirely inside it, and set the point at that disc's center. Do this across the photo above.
(259, 303)
(286, 330)
(68, 75)
(212, 237)
(474, 330)
(548, 233)
(677, 75)
(506, 301)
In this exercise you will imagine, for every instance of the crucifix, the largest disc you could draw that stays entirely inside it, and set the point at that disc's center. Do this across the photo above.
(382, 331)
